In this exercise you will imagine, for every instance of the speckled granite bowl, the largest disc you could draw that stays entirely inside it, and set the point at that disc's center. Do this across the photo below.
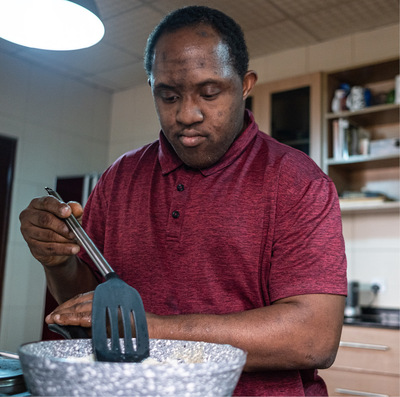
(191, 369)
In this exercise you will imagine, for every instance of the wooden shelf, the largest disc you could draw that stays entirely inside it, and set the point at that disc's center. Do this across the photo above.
(381, 121)
(390, 113)
(385, 207)
(362, 162)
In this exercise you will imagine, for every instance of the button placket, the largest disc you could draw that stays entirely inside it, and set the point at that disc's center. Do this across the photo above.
(178, 204)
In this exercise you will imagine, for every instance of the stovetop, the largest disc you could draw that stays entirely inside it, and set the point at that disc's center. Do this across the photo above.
(376, 317)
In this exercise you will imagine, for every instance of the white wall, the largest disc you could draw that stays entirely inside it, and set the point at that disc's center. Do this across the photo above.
(62, 128)
(372, 241)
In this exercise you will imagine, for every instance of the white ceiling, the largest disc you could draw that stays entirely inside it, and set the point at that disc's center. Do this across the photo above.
(269, 25)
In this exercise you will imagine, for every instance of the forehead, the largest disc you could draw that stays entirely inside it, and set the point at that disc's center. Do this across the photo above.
(196, 48)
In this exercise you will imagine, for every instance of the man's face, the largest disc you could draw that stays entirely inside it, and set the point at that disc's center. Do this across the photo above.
(198, 95)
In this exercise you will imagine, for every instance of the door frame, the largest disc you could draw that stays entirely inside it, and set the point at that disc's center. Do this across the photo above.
(8, 150)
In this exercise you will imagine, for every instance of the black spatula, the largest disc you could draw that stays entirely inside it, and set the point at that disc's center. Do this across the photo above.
(113, 300)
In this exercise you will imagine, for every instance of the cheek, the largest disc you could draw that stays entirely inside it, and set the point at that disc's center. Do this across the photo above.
(164, 115)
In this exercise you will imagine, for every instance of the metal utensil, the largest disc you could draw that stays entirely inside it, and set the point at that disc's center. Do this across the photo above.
(112, 299)
(13, 356)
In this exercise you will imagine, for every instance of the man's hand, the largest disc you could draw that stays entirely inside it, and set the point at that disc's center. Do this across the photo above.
(47, 235)
(76, 311)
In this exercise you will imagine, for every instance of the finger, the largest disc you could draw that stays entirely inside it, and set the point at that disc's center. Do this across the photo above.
(51, 204)
(80, 303)
(31, 219)
(80, 299)
(76, 209)
(84, 319)
(45, 252)
(45, 235)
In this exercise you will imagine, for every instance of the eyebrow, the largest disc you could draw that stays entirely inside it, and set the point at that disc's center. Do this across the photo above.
(162, 86)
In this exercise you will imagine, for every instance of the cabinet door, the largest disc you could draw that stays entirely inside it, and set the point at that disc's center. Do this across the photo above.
(349, 383)
(367, 363)
(273, 98)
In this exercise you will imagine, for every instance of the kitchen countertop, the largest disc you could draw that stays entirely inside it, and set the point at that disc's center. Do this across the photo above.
(375, 318)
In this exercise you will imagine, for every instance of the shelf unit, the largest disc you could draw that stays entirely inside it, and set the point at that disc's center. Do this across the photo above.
(381, 120)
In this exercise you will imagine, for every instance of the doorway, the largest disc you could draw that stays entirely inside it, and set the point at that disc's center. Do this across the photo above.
(7, 165)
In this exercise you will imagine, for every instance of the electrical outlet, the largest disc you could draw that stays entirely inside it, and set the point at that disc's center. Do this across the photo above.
(380, 283)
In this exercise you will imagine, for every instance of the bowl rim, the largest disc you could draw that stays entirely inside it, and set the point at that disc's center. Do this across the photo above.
(239, 360)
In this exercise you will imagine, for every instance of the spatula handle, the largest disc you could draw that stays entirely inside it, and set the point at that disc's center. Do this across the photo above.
(84, 239)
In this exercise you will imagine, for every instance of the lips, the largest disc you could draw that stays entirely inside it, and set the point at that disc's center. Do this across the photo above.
(191, 139)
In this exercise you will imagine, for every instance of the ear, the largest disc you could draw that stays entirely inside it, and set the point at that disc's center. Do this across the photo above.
(249, 80)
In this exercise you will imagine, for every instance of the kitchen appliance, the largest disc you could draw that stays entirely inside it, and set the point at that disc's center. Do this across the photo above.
(352, 308)
(178, 368)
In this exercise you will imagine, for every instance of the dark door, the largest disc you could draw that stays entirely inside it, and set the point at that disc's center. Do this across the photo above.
(7, 158)
(290, 118)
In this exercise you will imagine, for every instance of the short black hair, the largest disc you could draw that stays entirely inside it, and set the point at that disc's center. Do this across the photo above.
(230, 32)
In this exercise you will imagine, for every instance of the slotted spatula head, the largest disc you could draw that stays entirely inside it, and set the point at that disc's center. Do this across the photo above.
(112, 300)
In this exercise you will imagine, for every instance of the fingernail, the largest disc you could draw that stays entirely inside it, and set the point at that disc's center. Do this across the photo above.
(75, 250)
(64, 210)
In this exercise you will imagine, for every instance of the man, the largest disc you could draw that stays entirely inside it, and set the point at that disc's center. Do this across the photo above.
(228, 235)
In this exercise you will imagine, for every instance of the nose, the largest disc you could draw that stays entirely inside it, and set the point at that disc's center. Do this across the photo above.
(189, 112)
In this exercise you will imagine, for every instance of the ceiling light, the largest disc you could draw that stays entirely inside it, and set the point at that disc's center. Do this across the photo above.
(51, 24)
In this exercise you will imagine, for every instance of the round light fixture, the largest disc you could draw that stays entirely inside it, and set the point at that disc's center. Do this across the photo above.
(51, 24)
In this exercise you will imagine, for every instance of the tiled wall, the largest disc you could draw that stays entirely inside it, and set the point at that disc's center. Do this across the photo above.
(373, 253)
(62, 128)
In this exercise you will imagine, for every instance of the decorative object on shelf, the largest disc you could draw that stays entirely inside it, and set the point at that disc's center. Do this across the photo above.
(397, 89)
(339, 101)
(356, 99)
(363, 142)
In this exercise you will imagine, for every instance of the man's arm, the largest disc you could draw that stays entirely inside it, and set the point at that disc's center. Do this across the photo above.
(294, 333)
(299, 332)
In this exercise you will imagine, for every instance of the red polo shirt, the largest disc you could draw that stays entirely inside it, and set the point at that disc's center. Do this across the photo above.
(260, 225)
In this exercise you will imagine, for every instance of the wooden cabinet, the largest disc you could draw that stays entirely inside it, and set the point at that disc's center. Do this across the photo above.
(367, 363)
(359, 170)
(263, 97)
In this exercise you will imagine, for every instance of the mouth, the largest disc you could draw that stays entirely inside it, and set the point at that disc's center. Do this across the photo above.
(191, 139)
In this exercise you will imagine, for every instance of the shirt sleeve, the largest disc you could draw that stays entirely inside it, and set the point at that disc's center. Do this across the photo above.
(308, 254)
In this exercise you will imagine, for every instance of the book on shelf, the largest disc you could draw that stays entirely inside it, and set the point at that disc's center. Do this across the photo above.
(347, 138)
(356, 199)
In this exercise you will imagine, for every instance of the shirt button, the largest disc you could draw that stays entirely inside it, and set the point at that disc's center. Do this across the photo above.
(175, 214)
(180, 188)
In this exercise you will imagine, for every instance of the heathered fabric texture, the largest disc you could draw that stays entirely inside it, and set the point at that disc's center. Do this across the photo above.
(260, 225)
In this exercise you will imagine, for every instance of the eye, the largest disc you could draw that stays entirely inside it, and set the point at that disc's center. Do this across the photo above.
(170, 98)
(210, 93)
(209, 96)
(167, 95)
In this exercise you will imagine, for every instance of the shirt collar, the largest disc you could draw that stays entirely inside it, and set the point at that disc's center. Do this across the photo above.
(170, 161)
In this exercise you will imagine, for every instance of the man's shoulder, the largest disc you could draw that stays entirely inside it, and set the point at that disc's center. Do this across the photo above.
(127, 163)
(285, 158)
(148, 150)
